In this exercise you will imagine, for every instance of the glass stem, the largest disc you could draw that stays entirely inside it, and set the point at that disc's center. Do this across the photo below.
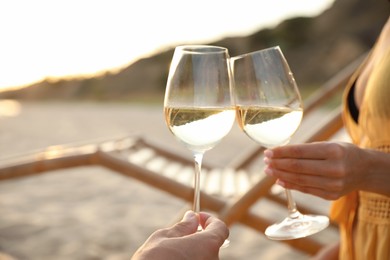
(198, 157)
(291, 205)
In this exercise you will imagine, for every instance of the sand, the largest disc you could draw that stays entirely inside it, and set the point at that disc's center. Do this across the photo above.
(91, 212)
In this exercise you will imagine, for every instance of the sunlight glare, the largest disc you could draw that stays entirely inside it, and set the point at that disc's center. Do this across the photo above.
(9, 108)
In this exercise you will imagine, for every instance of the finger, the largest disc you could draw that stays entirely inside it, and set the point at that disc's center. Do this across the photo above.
(188, 225)
(319, 150)
(295, 166)
(214, 227)
(325, 194)
(210, 222)
(307, 180)
(325, 168)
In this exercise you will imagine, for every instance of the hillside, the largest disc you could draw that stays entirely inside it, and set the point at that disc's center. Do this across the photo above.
(316, 48)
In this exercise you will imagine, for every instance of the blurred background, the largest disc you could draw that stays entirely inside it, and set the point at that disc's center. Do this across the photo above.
(73, 71)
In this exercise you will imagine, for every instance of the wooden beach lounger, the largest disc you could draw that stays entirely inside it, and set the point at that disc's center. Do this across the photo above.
(231, 191)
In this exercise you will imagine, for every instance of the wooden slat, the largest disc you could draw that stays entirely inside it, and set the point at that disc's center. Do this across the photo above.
(158, 181)
(34, 167)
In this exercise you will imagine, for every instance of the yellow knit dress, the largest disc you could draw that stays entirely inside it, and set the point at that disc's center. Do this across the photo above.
(364, 217)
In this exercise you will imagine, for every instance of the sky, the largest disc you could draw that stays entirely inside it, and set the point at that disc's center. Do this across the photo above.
(57, 38)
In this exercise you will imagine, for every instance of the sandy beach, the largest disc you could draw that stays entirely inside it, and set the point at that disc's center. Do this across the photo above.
(91, 212)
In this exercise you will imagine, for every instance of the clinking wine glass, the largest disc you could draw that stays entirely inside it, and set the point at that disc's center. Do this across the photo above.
(197, 106)
(269, 111)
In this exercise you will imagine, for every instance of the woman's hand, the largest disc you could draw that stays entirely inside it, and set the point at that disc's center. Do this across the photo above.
(324, 169)
(182, 241)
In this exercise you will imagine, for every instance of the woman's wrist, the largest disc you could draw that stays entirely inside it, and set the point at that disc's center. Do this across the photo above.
(377, 172)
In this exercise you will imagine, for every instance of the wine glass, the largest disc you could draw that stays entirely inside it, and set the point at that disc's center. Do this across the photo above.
(198, 106)
(269, 111)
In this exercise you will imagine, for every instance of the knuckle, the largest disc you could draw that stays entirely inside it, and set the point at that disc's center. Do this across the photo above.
(180, 227)
(295, 164)
(160, 233)
(336, 149)
(297, 151)
(337, 170)
(337, 186)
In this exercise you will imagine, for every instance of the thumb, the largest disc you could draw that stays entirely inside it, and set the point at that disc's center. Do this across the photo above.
(190, 216)
(188, 225)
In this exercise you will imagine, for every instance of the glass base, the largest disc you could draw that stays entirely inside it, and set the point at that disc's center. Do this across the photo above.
(292, 228)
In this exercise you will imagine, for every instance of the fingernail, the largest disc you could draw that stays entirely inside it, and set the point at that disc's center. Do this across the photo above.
(281, 183)
(266, 160)
(268, 153)
(189, 215)
(268, 171)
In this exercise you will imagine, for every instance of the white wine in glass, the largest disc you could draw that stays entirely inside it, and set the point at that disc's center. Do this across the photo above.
(269, 111)
(198, 106)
